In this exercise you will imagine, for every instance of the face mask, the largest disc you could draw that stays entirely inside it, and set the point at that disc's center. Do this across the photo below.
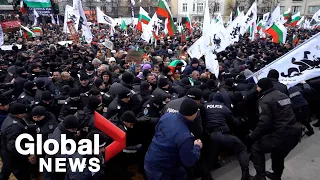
(89, 74)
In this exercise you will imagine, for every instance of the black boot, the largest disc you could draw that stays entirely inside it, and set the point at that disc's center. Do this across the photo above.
(272, 176)
(317, 124)
(259, 177)
(246, 175)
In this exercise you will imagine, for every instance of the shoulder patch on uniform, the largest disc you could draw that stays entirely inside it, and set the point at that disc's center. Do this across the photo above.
(118, 107)
(284, 102)
(148, 105)
(22, 97)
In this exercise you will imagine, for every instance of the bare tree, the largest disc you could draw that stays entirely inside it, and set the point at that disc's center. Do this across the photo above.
(214, 6)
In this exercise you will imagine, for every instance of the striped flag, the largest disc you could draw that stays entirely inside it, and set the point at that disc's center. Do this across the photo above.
(164, 11)
(143, 18)
(286, 14)
(188, 23)
(38, 3)
(295, 19)
(295, 39)
(278, 32)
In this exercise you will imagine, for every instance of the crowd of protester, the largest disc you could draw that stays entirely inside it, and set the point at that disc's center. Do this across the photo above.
(177, 120)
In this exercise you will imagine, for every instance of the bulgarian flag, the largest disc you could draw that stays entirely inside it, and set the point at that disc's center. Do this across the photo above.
(155, 36)
(183, 35)
(295, 19)
(38, 3)
(286, 14)
(164, 11)
(278, 32)
(27, 32)
(260, 25)
(37, 31)
(143, 18)
(176, 65)
(188, 23)
(295, 39)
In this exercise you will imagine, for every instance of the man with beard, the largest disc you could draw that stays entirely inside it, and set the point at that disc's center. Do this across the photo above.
(151, 79)
(69, 127)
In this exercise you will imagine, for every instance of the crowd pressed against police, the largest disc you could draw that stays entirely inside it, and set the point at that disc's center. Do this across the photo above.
(178, 119)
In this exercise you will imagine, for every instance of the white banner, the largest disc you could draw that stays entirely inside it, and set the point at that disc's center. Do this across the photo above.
(217, 39)
(196, 50)
(70, 16)
(212, 64)
(233, 30)
(302, 63)
(78, 10)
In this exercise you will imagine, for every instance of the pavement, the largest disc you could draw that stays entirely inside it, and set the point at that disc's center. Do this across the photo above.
(303, 162)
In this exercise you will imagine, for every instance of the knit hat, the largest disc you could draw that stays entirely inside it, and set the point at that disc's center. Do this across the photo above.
(94, 92)
(194, 93)
(93, 103)
(144, 86)
(90, 67)
(84, 77)
(74, 92)
(273, 74)
(20, 70)
(40, 83)
(265, 84)
(162, 82)
(46, 96)
(70, 122)
(29, 85)
(17, 108)
(127, 77)
(124, 93)
(218, 97)
(229, 82)
(146, 66)
(66, 89)
(188, 107)
(4, 100)
(129, 117)
(158, 100)
(38, 111)
(98, 82)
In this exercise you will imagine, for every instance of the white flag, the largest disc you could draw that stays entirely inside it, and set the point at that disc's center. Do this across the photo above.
(206, 20)
(249, 18)
(216, 40)
(266, 16)
(1, 36)
(147, 33)
(233, 30)
(195, 50)
(133, 2)
(69, 15)
(78, 10)
(104, 19)
(53, 21)
(36, 15)
(275, 17)
(301, 63)
(212, 64)
(316, 16)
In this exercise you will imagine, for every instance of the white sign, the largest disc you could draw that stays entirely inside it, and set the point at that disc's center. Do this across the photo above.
(108, 44)
(9, 47)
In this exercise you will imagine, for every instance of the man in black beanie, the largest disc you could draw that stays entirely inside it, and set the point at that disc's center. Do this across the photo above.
(274, 76)
(173, 144)
(276, 132)
(120, 104)
(85, 85)
(125, 83)
(162, 89)
(13, 126)
(69, 127)
(28, 94)
(71, 105)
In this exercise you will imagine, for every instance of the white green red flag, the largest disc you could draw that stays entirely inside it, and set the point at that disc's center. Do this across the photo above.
(278, 32)
(286, 14)
(38, 3)
(295, 39)
(295, 19)
(164, 11)
(188, 23)
(143, 19)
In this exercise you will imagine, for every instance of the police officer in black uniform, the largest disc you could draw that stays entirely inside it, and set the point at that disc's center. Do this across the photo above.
(71, 105)
(276, 132)
(47, 102)
(29, 91)
(61, 98)
(13, 126)
(215, 121)
(120, 104)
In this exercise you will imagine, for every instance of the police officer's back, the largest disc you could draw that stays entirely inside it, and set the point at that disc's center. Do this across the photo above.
(276, 132)
(13, 126)
(71, 104)
(27, 96)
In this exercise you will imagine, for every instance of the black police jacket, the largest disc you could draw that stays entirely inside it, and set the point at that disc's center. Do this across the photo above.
(217, 117)
(70, 107)
(275, 113)
(279, 86)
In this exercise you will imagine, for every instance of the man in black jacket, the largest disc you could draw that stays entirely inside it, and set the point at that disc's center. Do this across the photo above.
(274, 76)
(12, 127)
(277, 131)
(120, 104)
(27, 96)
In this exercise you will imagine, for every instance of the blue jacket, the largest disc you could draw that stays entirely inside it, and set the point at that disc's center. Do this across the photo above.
(189, 69)
(172, 145)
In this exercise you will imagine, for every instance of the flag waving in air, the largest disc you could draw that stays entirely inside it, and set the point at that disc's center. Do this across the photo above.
(295, 19)
(286, 14)
(278, 32)
(164, 11)
(188, 23)
(143, 19)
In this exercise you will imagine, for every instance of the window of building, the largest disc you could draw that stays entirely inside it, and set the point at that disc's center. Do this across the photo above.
(313, 9)
(216, 8)
(200, 7)
(241, 8)
(296, 9)
(296, 0)
(282, 9)
(184, 7)
(194, 7)
(265, 9)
